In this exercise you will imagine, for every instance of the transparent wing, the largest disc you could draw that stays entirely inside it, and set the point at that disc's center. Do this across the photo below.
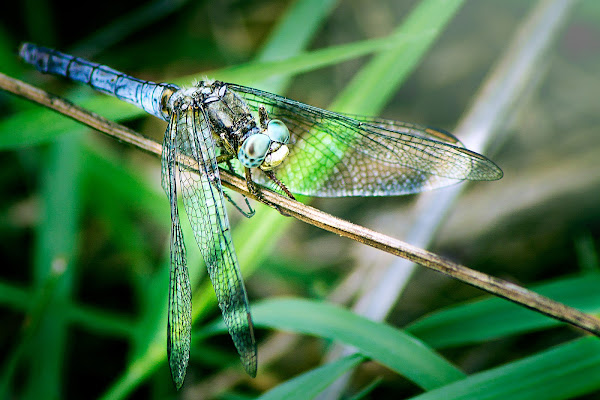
(204, 203)
(333, 154)
(179, 320)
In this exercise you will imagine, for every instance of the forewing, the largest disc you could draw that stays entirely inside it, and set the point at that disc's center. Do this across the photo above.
(334, 154)
(179, 320)
(204, 203)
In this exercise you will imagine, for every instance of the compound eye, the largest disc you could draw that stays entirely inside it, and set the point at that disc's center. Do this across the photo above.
(254, 150)
(278, 132)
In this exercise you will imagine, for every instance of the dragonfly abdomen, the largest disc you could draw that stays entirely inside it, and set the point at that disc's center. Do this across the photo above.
(149, 96)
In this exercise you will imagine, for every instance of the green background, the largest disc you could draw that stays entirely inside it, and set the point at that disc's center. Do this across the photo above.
(84, 224)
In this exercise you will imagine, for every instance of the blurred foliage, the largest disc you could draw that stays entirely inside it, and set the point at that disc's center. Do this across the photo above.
(84, 224)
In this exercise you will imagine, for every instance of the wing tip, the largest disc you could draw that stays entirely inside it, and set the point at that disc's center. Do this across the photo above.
(178, 371)
(178, 382)
(249, 361)
(492, 172)
(250, 356)
(178, 359)
(482, 168)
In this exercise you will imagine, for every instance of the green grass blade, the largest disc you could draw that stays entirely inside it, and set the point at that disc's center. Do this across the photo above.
(564, 372)
(36, 310)
(36, 126)
(260, 74)
(56, 249)
(373, 86)
(291, 36)
(486, 319)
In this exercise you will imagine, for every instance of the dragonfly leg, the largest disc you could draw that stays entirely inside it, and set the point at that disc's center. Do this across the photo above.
(272, 177)
(248, 214)
(252, 188)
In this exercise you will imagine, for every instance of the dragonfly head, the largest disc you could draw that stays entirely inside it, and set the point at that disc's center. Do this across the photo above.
(267, 149)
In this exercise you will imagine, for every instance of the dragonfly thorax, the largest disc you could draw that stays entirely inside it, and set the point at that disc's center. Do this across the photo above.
(221, 111)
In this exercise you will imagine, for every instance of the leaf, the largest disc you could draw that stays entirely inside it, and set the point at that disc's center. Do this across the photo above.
(563, 372)
(491, 318)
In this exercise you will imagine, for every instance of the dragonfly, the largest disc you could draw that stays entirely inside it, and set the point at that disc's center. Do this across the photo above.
(276, 143)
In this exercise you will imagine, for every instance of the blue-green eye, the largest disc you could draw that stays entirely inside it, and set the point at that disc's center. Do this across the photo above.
(254, 150)
(277, 131)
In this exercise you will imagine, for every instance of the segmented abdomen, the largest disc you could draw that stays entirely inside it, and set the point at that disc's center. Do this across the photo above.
(144, 94)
